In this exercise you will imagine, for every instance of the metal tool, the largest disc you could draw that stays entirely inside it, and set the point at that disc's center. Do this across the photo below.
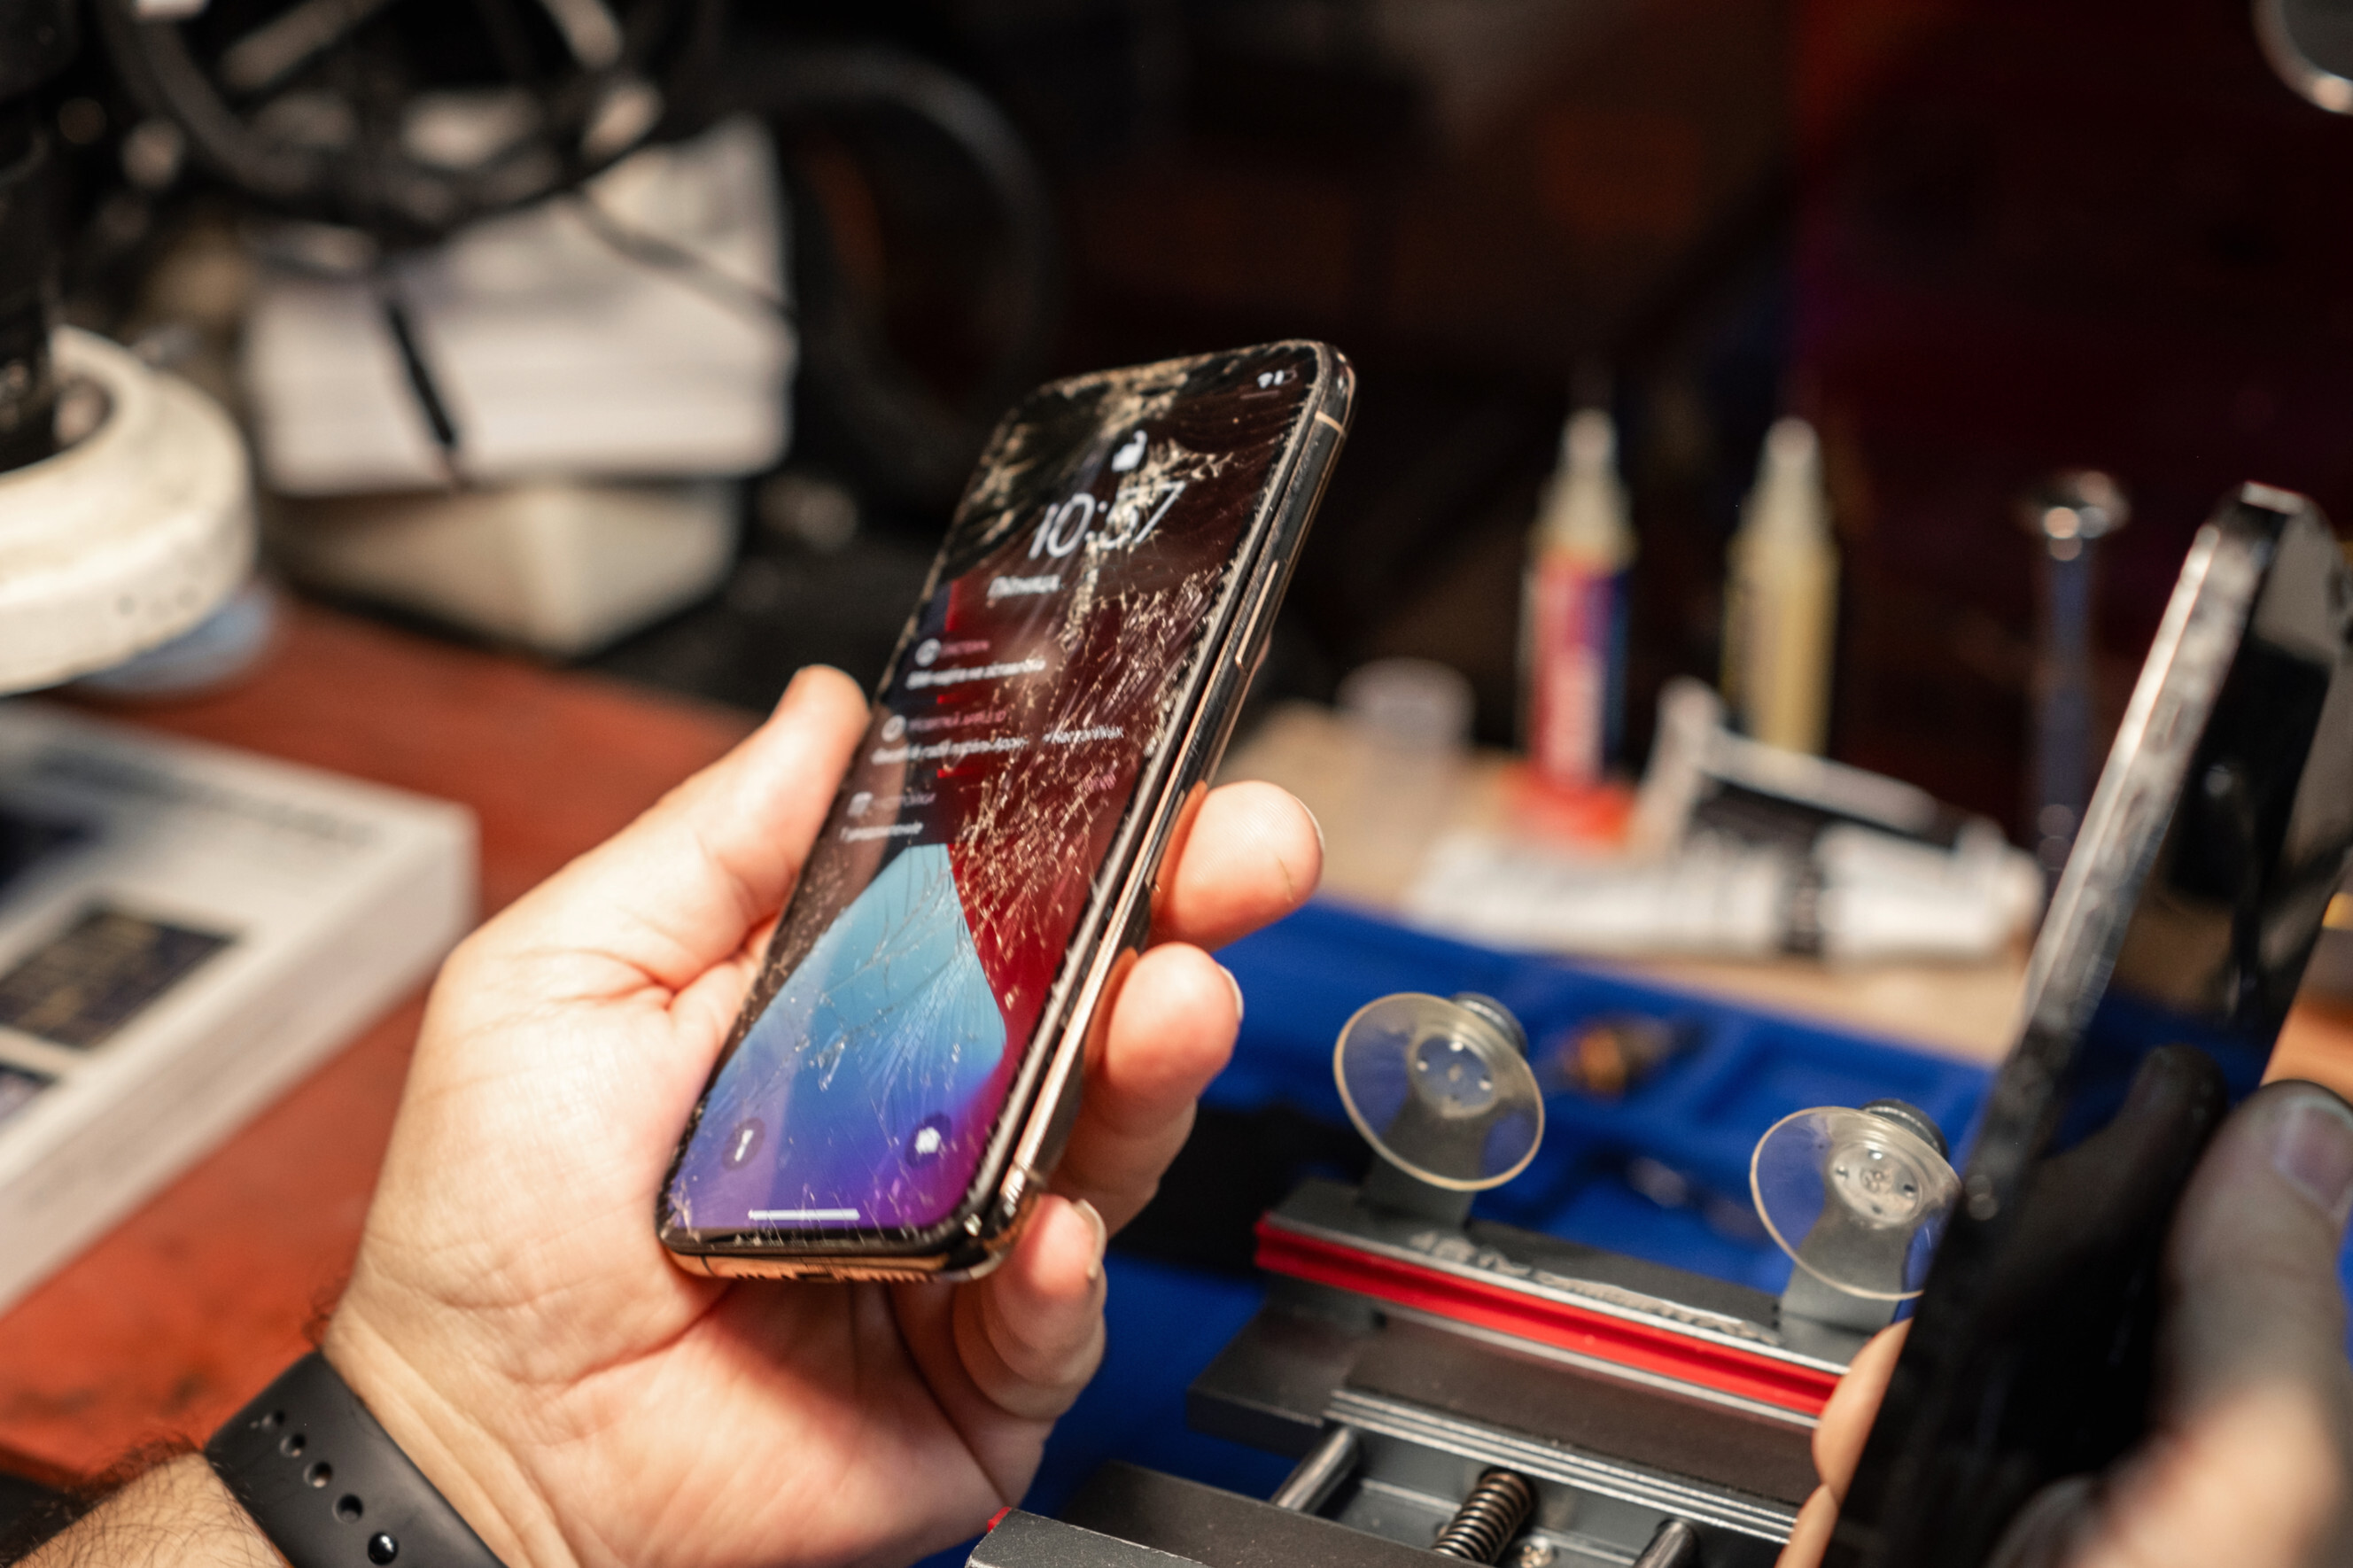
(2310, 44)
(1444, 1092)
(1675, 1546)
(2070, 515)
(1857, 1199)
(1494, 1513)
(1319, 1475)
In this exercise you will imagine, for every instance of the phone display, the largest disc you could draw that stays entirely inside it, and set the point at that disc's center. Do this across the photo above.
(2174, 946)
(1073, 665)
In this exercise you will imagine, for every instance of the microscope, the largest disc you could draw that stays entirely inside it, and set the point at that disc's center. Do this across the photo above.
(126, 513)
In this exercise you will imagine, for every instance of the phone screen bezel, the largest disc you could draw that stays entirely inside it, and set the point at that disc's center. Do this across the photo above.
(1262, 556)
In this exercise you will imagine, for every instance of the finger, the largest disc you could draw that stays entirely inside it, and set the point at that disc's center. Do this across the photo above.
(1811, 1536)
(676, 891)
(2254, 1408)
(2251, 1269)
(1854, 1405)
(1170, 1030)
(1031, 1333)
(2254, 1403)
(1252, 854)
(2253, 1482)
(1838, 1443)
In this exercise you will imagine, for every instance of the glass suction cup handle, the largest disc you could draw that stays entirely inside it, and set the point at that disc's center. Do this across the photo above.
(1440, 1088)
(1857, 1198)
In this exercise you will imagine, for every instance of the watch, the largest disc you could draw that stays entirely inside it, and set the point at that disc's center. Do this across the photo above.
(328, 1485)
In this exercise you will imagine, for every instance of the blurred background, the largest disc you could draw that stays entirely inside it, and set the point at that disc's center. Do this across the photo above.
(1972, 244)
(600, 362)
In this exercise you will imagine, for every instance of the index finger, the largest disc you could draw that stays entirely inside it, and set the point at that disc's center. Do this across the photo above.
(1250, 854)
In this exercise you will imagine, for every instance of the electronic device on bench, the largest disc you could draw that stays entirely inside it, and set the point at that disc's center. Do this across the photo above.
(1486, 1393)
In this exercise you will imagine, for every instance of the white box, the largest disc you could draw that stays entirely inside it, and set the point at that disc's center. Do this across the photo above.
(202, 927)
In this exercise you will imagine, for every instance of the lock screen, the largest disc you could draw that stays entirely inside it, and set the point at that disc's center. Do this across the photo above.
(911, 969)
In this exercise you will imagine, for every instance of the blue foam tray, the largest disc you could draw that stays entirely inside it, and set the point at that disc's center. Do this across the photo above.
(1692, 1126)
(1695, 1122)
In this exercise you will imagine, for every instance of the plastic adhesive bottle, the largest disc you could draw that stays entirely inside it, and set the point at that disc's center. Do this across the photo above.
(1781, 597)
(1572, 622)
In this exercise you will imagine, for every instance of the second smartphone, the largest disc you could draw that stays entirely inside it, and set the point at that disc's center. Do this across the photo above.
(895, 1093)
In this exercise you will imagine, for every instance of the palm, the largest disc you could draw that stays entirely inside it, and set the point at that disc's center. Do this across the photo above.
(511, 1264)
(702, 1384)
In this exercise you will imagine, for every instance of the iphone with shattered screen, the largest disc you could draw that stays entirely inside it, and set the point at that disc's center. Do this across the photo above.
(897, 1089)
(2175, 943)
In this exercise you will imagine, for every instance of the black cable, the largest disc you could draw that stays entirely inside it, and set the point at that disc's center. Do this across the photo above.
(910, 439)
(375, 182)
(697, 272)
(422, 384)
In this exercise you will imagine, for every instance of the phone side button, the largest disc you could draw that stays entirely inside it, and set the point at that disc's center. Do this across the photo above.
(1024, 1183)
(1261, 637)
(1252, 651)
(1249, 657)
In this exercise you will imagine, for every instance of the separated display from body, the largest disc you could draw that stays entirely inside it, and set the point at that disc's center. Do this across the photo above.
(896, 1089)
(2175, 941)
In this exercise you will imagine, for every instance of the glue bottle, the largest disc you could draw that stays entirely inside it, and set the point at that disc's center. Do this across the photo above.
(1572, 622)
(1781, 599)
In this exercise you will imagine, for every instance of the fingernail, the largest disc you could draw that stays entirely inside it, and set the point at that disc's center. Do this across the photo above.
(1095, 1219)
(2312, 1146)
(1312, 823)
(801, 678)
(1232, 979)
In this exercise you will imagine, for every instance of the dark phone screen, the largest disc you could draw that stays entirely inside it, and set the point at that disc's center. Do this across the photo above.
(2157, 988)
(1074, 592)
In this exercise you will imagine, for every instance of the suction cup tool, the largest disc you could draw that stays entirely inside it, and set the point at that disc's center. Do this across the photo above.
(1440, 1089)
(1857, 1197)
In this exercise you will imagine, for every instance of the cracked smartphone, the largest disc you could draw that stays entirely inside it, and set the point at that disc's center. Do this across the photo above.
(897, 1090)
(2176, 939)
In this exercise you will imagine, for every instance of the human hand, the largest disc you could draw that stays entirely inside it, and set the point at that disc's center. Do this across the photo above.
(513, 1322)
(2250, 1459)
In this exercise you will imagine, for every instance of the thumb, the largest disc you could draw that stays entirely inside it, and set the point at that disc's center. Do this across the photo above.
(1845, 1426)
(678, 889)
(2248, 1460)
(2251, 1270)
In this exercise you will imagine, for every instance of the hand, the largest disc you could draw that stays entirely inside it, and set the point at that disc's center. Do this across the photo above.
(583, 1401)
(2250, 1458)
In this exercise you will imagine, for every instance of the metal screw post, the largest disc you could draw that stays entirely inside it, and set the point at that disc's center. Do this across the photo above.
(2069, 515)
(1676, 1545)
(1494, 1513)
(1319, 1475)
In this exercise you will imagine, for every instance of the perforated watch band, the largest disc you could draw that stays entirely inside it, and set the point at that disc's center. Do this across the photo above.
(329, 1487)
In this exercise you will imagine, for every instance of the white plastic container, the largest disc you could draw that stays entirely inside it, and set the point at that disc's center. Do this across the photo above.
(1781, 610)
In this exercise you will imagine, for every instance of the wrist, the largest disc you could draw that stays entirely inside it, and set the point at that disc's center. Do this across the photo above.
(179, 1513)
(450, 1431)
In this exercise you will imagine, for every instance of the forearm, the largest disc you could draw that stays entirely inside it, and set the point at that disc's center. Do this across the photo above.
(177, 1515)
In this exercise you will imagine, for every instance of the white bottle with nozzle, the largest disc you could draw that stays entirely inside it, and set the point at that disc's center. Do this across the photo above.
(1573, 620)
(1781, 597)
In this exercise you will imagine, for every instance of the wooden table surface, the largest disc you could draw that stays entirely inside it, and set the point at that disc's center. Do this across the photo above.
(179, 1315)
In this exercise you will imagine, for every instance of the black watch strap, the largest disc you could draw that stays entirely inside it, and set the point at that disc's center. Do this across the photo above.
(329, 1487)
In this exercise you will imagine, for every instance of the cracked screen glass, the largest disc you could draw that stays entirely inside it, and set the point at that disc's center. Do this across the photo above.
(911, 969)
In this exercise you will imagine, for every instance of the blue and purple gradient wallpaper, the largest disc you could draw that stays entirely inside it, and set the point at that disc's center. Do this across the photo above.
(909, 973)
